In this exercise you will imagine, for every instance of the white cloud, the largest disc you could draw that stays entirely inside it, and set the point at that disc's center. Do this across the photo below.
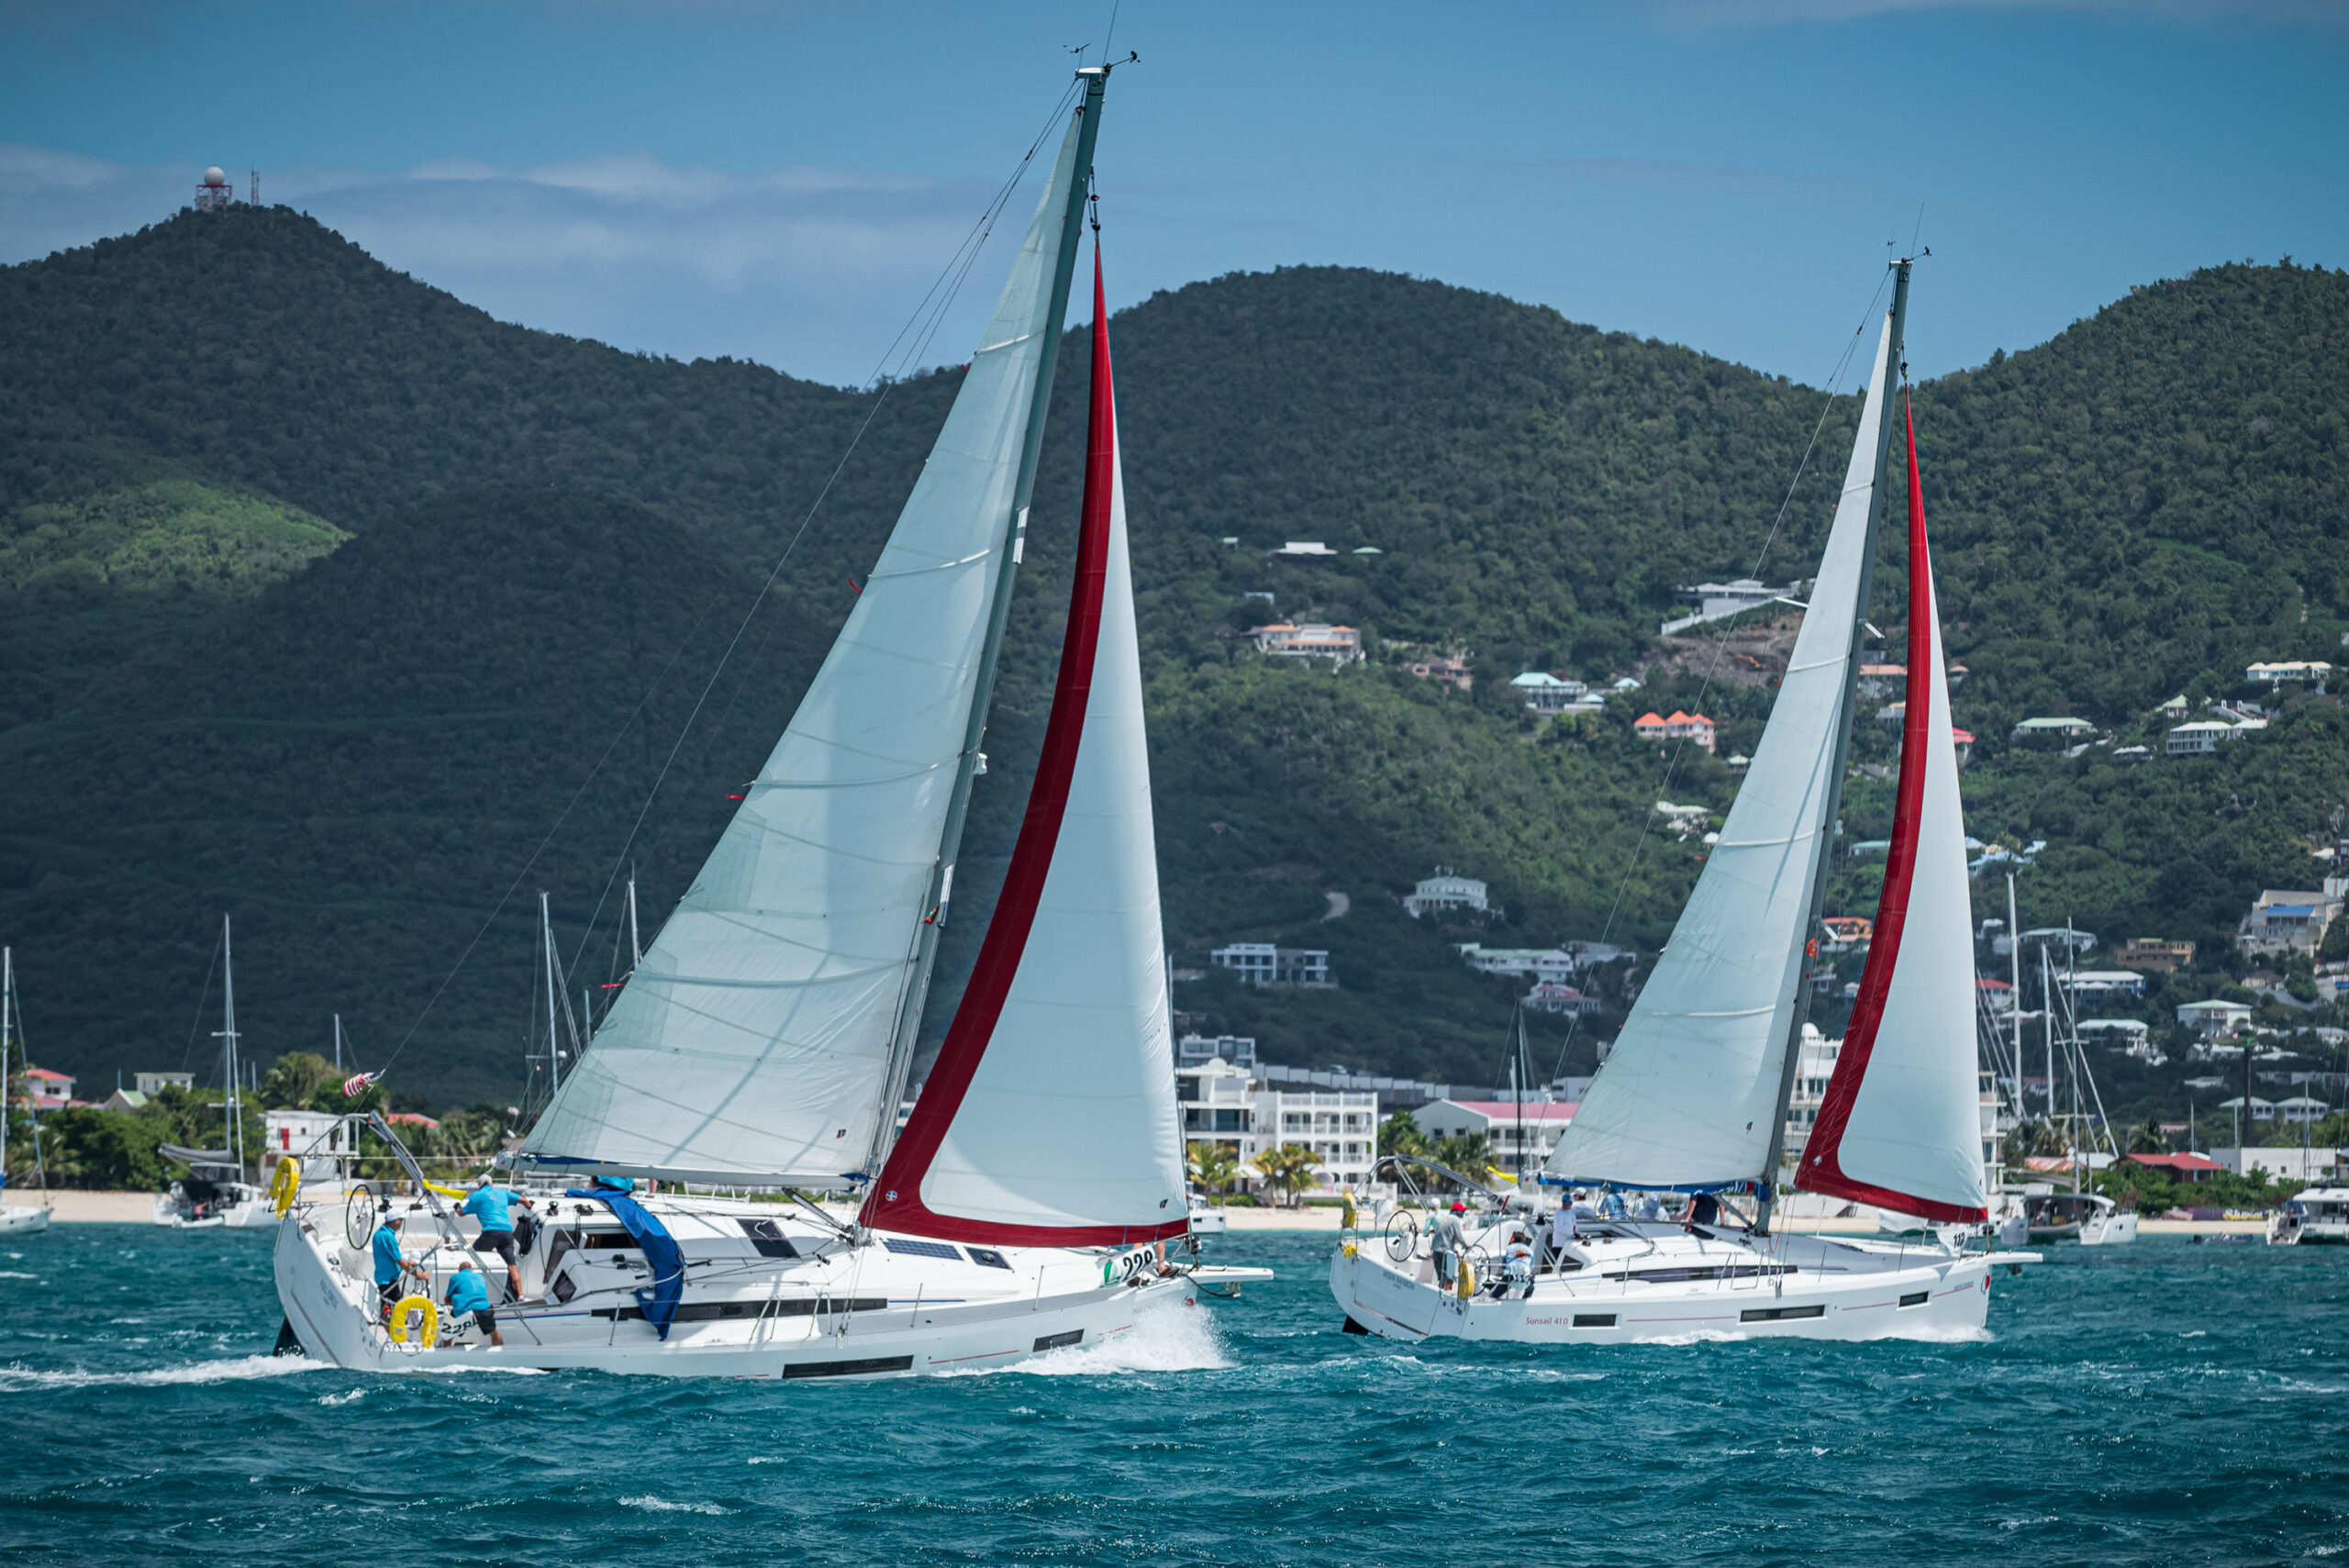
(809, 268)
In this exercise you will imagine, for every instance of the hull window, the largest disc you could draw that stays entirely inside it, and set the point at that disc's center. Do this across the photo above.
(1594, 1320)
(1061, 1341)
(851, 1369)
(1778, 1313)
(1914, 1299)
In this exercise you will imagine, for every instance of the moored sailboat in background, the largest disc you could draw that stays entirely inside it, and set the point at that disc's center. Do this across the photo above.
(17, 1218)
(1693, 1097)
(764, 1040)
(215, 1194)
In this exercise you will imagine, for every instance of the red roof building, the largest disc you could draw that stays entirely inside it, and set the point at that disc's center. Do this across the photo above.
(1650, 726)
(2183, 1167)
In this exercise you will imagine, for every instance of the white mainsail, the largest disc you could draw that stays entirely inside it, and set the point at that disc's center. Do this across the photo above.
(1049, 1117)
(754, 1041)
(1690, 1094)
(1901, 1123)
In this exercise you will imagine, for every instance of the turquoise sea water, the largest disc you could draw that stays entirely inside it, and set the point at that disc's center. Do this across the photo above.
(2164, 1403)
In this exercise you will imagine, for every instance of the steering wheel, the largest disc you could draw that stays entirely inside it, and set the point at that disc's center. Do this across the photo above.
(359, 1216)
(1402, 1234)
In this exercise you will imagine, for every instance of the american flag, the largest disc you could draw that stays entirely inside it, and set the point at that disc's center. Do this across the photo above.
(356, 1084)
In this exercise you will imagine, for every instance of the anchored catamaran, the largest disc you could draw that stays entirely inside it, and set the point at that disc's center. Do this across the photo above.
(763, 1041)
(1693, 1097)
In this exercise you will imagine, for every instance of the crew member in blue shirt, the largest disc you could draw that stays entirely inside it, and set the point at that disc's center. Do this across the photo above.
(389, 1264)
(492, 1206)
(467, 1294)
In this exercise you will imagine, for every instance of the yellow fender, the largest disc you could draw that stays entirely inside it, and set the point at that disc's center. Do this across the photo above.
(286, 1185)
(447, 1192)
(428, 1332)
(1466, 1273)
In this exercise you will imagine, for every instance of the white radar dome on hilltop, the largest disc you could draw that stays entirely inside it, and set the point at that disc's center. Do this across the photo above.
(214, 176)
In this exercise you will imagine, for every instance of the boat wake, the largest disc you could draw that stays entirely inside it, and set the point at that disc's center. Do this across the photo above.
(234, 1370)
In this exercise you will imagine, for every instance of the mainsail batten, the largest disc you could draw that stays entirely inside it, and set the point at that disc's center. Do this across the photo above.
(1688, 1095)
(1049, 1116)
(756, 1039)
(1900, 1124)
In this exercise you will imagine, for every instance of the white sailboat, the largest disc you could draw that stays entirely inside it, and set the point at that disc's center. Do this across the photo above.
(765, 1038)
(215, 1195)
(1693, 1097)
(17, 1218)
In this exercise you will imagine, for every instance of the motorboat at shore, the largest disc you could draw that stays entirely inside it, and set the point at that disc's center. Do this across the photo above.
(2313, 1217)
(2090, 1218)
(1693, 1097)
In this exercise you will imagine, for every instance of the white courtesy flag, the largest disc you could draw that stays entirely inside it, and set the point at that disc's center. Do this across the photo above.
(753, 1041)
(1687, 1094)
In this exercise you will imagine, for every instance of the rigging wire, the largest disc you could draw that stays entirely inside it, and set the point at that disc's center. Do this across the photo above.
(1720, 638)
(929, 315)
(959, 269)
(201, 998)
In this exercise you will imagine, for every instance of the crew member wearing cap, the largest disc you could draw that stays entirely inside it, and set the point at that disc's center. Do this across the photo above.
(1451, 1241)
(492, 1206)
(389, 1264)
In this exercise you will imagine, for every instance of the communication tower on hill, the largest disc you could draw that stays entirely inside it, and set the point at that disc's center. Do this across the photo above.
(213, 193)
(255, 197)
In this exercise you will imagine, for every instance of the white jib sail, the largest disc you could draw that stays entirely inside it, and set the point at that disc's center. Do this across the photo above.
(1069, 1120)
(753, 1041)
(1686, 1096)
(1901, 1125)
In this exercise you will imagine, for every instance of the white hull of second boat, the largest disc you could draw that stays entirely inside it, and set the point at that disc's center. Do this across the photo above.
(833, 1311)
(173, 1212)
(1652, 1282)
(2116, 1229)
(22, 1220)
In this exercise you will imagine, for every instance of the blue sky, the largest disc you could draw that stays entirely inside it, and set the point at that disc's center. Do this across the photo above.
(780, 181)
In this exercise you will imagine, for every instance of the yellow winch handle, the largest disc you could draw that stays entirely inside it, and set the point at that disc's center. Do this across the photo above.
(428, 1333)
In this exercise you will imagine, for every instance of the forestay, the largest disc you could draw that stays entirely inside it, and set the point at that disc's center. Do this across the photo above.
(1049, 1117)
(1688, 1094)
(1901, 1122)
(753, 1041)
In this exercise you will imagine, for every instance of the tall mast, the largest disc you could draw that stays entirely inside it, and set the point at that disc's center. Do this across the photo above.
(7, 1005)
(941, 879)
(338, 1042)
(554, 1050)
(1894, 368)
(234, 1106)
(2047, 1015)
(2014, 973)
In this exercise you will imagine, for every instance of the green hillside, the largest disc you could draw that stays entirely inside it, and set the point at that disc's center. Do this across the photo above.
(359, 758)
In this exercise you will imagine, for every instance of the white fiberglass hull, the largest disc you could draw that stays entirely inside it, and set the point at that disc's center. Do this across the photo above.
(175, 1213)
(22, 1220)
(2109, 1230)
(833, 1310)
(1656, 1281)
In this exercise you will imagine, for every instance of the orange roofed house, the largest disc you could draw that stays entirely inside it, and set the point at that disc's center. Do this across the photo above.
(1690, 726)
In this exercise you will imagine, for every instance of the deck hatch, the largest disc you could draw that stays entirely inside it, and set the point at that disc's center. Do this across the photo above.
(768, 1237)
(908, 1247)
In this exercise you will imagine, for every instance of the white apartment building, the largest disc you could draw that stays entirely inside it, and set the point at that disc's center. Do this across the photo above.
(1221, 1104)
(1445, 891)
(1261, 964)
(1530, 1131)
(1311, 640)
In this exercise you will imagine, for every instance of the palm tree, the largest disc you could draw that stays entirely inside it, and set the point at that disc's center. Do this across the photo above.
(1213, 1165)
(1288, 1169)
(1399, 1134)
(1466, 1153)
